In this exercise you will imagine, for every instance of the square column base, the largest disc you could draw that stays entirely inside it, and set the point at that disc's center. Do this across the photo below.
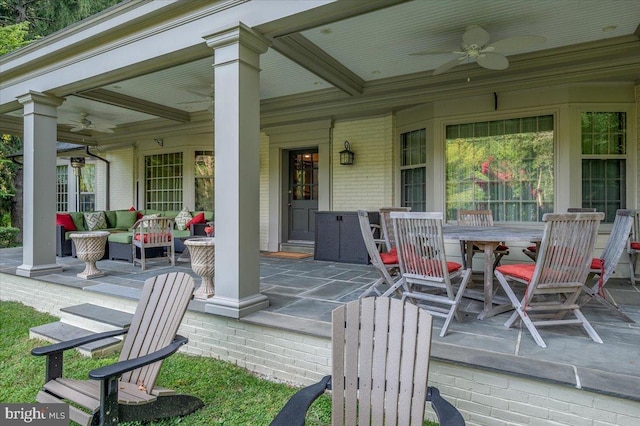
(34, 271)
(236, 308)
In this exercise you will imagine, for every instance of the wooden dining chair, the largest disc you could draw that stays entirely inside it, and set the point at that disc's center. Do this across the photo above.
(151, 233)
(387, 228)
(604, 266)
(532, 251)
(478, 218)
(428, 278)
(633, 249)
(380, 366)
(386, 264)
(553, 284)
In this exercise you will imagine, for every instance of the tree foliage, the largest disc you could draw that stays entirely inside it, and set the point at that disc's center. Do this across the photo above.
(22, 22)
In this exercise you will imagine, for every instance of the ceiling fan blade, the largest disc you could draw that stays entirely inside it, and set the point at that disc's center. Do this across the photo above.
(77, 128)
(475, 34)
(517, 43)
(103, 129)
(493, 61)
(447, 66)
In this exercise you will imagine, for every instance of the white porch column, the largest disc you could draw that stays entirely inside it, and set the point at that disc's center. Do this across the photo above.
(237, 126)
(39, 153)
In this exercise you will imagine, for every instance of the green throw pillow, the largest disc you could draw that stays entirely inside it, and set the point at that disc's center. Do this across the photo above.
(125, 219)
(95, 221)
(78, 220)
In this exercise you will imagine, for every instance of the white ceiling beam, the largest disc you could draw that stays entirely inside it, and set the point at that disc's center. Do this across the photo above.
(135, 104)
(302, 51)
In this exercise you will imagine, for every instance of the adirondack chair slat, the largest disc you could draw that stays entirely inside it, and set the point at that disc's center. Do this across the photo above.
(127, 394)
(78, 416)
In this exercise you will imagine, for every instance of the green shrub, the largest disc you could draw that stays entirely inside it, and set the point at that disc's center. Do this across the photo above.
(9, 237)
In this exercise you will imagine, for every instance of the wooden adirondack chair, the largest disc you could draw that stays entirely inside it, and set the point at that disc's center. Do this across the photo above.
(126, 391)
(554, 283)
(152, 233)
(386, 264)
(478, 218)
(380, 366)
(426, 274)
(603, 267)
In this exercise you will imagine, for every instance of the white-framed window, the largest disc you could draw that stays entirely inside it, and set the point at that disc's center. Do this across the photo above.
(163, 181)
(413, 169)
(603, 137)
(204, 171)
(62, 188)
(88, 188)
(506, 166)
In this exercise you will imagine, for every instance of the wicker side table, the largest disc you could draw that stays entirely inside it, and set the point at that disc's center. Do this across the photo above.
(90, 248)
(202, 251)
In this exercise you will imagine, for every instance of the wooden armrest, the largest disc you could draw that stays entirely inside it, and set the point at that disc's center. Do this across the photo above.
(117, 369)
(70, 344)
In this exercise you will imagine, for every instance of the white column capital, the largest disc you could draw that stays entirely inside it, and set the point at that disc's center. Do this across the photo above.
(40, 103)
(240, 34)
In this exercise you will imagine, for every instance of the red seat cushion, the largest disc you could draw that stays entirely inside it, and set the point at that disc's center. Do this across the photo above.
(502, 248)
(199, 218)
(431, 265)
(64, 219)
(523, 271)
(635, 245)
(532, 248)
(597, 263)
(390, 257)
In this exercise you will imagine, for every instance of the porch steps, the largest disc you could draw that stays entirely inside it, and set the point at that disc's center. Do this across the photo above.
(83, 320)
(298, 246)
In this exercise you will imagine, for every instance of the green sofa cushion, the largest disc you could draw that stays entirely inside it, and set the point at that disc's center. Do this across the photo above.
(125, 219)
(120, 237)
(181, 234)
(111, 218)
(78, 220)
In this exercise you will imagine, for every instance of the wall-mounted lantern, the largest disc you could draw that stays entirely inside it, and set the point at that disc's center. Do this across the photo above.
(346, 155)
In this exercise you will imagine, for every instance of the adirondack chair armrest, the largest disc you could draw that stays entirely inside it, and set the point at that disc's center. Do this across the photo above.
(117, 369)
(295, 410)
(448, 415)
(70, 344)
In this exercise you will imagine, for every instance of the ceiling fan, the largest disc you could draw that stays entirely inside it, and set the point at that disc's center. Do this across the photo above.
(85, 124)
(207, 98)
(475, 47)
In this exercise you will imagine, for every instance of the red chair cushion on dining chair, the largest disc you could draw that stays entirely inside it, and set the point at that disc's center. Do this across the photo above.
(502, 248)
(597, 263)
(532, 248)
(390, 258)
(635, 245)
(433, 266)
(523, 271)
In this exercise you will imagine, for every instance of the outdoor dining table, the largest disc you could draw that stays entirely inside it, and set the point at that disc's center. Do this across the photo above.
(488, 238)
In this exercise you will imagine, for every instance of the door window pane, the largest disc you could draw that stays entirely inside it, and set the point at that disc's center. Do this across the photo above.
(204, 171)
(163, 181)
(413, 172)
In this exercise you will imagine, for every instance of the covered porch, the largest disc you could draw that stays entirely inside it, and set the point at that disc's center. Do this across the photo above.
(482, 366)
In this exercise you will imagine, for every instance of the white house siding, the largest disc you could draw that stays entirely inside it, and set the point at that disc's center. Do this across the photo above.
(483, 397)
(122, 177)
(264, 191)
(369, 182)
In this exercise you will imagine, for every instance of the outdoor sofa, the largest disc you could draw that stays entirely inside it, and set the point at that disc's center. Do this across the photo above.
(119, 223)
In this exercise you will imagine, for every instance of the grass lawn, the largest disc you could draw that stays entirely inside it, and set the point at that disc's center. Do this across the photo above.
(232, 395)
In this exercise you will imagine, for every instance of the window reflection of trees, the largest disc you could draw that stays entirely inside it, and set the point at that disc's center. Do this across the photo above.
(505, 166)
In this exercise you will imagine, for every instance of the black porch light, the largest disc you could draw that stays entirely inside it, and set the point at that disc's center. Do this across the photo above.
(346, 155)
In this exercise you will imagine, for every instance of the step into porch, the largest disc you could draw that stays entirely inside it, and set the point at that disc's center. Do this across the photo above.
(83, 320)
(298, 246)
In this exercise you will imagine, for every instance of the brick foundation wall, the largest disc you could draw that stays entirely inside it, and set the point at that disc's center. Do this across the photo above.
(484, 398)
